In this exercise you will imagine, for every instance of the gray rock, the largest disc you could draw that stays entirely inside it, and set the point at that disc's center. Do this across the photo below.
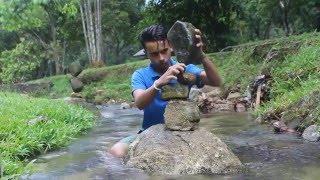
(174, 91)
(182, 37)
(187, 78)
(37, 120)
(311, 133)
(181, 152)
(75, 68)
(125, 105)
(234, 96)
(76, 85)
(194, 94)
(240, 107)
(181, 115)
(279, 126)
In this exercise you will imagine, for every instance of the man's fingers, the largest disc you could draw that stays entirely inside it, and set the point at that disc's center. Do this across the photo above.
(175, 71)
(182, 64)
(181, 69)
(171, 77)
(198, 36)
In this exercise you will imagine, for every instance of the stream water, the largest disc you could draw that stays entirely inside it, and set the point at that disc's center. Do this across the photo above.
(266, 155)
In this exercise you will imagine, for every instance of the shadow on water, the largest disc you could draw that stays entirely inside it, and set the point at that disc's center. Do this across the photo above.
(265, 154)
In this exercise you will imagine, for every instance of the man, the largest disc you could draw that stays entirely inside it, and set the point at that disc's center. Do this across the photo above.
(147, 82)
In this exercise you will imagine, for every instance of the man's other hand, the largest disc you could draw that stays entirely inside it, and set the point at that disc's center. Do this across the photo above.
(170, 74)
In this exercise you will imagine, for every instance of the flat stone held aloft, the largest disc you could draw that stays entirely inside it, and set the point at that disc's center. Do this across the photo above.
(182, 38)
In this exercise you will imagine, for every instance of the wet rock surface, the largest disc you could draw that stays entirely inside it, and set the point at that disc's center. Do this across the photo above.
(174, 91)
(182, 115)
(311, 133)
(158, 151)
(210, 99)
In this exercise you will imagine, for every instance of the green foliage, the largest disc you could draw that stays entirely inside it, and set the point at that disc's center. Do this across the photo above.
(21, 140)
(213, 18)
(18, 14)
(19, 63)
(119, 20)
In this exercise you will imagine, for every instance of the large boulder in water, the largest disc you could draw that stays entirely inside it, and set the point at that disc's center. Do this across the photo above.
(158, 151)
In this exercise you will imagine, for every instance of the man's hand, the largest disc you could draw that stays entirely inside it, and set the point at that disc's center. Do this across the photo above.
(170, 74)
(210, 76)
(199, 43)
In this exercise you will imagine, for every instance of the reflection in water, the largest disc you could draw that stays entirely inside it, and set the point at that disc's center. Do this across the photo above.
(265, 154)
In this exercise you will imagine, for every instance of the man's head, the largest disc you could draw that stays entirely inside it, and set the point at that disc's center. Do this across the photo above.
(154, 41)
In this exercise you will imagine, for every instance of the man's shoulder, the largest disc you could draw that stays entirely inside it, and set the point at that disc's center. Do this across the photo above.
(142, 70)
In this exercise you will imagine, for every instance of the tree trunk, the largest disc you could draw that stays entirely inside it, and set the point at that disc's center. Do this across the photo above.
(91, 22)
(284, 4)
(85, 31)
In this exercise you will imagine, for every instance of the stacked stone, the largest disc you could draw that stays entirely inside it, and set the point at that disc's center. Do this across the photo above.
(181, 114)
(75, 69)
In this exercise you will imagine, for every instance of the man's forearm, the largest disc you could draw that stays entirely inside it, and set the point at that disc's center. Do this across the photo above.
(145, 97)
(212, 76)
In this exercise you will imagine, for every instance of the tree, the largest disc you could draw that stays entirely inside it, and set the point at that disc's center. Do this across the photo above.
(213, 18)
(120, 18)
(91, 22)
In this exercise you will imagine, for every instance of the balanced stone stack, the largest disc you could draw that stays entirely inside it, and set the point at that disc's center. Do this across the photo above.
(75, 69)
(181, 114)
(179, 146)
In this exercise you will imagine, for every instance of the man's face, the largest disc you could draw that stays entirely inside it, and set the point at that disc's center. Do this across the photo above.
(159, 53)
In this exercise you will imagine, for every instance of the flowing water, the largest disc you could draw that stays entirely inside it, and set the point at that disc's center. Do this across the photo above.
(266, 155)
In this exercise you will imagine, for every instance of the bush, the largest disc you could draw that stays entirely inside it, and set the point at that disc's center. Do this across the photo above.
(19, 63)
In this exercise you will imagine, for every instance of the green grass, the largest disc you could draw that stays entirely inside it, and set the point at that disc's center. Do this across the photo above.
(297, 77)
(20, 142)
(61, 85)
(116, 83)
(295, 73)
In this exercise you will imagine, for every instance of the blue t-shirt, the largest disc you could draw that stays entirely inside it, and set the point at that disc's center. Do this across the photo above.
(143, 79)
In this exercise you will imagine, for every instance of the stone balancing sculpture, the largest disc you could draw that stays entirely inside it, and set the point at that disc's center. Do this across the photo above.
(180, 146)
(180, 113)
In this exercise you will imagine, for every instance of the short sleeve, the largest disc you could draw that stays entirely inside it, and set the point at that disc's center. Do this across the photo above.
(137, 81)
(193, 69)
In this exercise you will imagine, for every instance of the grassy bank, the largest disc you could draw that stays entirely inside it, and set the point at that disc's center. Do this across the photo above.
(32, 126)
(294, 71)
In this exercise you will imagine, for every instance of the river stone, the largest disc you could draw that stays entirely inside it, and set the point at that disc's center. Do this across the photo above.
(181, 115)
(182, 38)
(158, 151)
(174, 91)
(194, 94)
(76, 85)
(311, 133)
(187, 79)
(75, 68)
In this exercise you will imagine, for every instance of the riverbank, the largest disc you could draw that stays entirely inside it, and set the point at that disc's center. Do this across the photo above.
(32, 126)
(288, 67)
